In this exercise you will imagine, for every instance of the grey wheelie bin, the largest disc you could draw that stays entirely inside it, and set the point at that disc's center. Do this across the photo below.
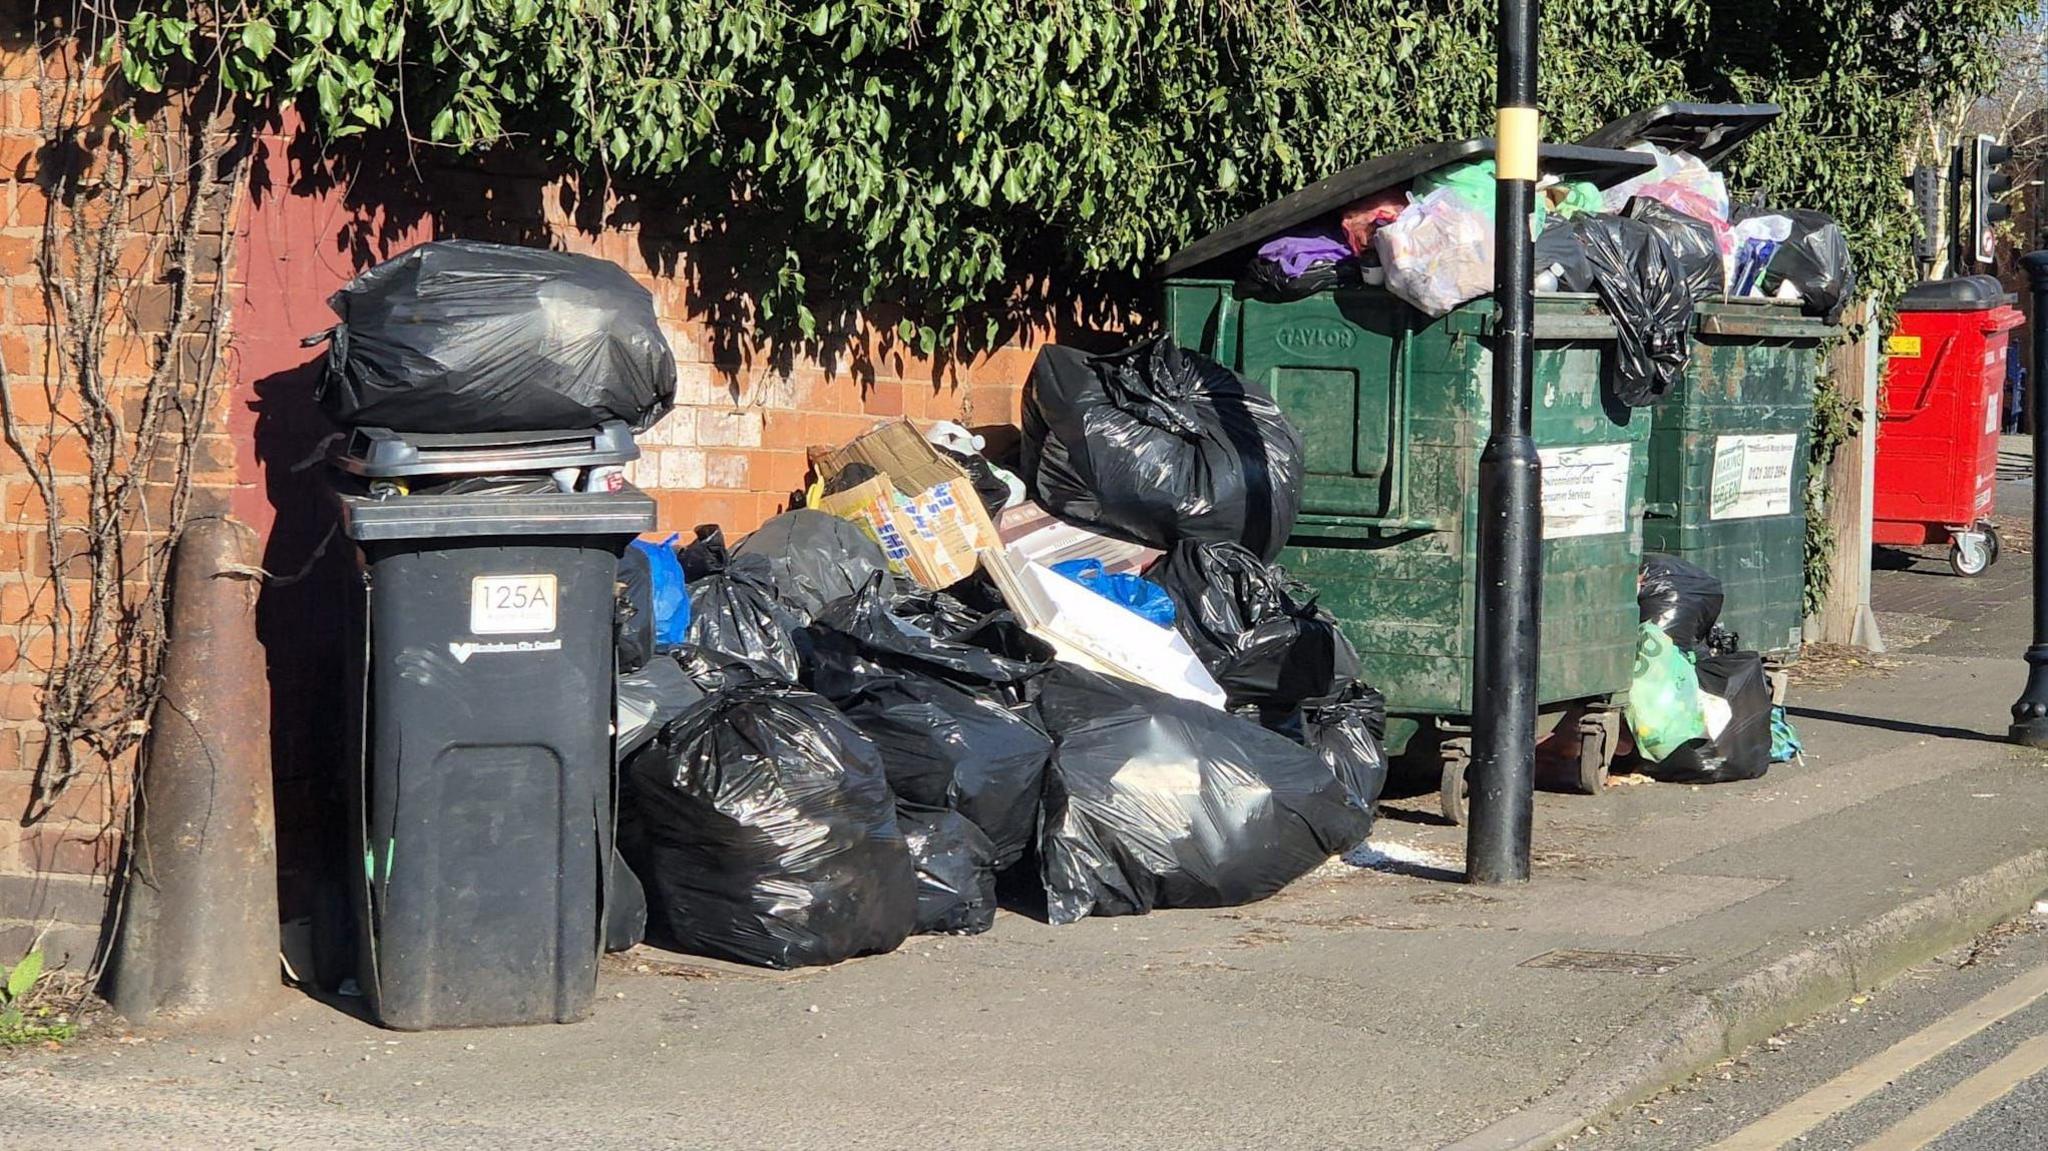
(484, 638)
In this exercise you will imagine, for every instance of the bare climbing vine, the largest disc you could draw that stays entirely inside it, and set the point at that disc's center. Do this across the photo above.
(108, 419)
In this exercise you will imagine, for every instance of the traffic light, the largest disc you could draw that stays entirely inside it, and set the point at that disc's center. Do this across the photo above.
(1927, 204)
(1988, 187)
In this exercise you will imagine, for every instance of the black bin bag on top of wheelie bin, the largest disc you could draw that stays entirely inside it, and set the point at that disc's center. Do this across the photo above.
(949, 719)
(1642, 284)
(1154, 801)
(1736, 698)
(1158, 444)
(764, 832)
(462, 336)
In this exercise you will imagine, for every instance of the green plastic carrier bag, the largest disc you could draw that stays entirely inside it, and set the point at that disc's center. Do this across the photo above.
(1664, 698)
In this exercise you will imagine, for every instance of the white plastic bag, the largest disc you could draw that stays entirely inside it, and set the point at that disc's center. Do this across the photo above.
(1438, 253)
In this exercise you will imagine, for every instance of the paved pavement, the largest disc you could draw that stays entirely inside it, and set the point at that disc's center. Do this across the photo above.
(1375, 1004)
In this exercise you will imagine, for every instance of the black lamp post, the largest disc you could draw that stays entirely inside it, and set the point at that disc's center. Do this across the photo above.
(2030, 714)
(1502, 775)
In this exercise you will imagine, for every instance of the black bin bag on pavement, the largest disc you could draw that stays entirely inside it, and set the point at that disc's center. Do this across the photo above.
(764, 832)
(633, 614)
(736, 612)
(814, 558)
(650, 699)
(1346, 736)
(1153, 801)
(948, 719)
(956, 871)
(1682, 599)
(1159, 444)
(1257, 629)
(461, 336)
(1736, 696)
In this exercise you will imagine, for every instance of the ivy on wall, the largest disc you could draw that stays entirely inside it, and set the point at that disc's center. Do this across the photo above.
(931, 153)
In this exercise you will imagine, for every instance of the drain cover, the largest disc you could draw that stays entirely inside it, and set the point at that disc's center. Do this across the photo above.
(1609, 962)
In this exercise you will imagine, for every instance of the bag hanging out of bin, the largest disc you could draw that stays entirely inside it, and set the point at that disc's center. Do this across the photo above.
(764, 832)
(461, 336)
(1643, 287)
(1158, 444)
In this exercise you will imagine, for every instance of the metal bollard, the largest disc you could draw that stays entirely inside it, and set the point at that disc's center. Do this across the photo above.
(2030, 713)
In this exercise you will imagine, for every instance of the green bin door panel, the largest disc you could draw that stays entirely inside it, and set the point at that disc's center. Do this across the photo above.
(1331, 364)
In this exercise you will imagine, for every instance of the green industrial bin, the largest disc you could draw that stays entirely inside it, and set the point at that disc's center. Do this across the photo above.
(1728, 465)
(1393, 410)
(1728, 458)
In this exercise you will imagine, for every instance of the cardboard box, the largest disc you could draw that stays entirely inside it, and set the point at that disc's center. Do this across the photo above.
(919, 506)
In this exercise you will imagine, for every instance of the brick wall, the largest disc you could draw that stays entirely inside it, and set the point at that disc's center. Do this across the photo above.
(732, 453)
(53, 866)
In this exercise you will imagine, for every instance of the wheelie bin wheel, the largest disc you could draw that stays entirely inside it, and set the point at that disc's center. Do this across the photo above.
(1991, 539)
(1969, 553)
(1599, 734)
(1455, 756)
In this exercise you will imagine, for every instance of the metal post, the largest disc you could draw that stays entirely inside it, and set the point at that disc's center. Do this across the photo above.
(2030, 714)
(1502, 777)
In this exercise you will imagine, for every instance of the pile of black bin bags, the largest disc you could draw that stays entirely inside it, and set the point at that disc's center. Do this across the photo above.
(1684, 601)
(836, 759)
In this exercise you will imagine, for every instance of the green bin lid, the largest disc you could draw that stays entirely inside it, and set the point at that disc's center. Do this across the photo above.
(1602, 166)
(1708, 131)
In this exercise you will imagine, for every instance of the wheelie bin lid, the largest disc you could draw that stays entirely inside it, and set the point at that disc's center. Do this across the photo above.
(380, 453)
(1961, 294)
(368, 519)
(1601, 166)
(1707, 131)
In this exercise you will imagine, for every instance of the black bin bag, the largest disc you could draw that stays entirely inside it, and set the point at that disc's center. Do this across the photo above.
(1736, 696)
(1814, 259)
(814, 558)
(737, 612)
(764, 832)
(948, 719)
(461, 336)
(1159, 444)
(1682, 599)
(1257, 629)
(1154, 801)
(1692, 244)
(1643, 286)
(956, 871)
(633, 613)
(1346, 737)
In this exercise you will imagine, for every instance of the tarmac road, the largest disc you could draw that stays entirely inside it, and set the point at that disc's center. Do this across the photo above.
(1982, 1086)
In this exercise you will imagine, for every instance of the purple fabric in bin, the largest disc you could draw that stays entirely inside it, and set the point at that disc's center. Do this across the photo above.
(1297, 254)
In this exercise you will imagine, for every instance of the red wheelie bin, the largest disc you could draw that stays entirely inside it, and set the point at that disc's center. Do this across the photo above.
(1937, 436)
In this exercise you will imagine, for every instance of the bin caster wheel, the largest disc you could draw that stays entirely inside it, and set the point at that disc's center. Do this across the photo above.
(1969, 553)
(1456, 756)
(1991, 540)
(1599, 734)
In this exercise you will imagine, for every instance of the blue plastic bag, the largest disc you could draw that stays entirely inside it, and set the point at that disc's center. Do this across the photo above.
(1785, 745)
(1143, 596)
(671, 598)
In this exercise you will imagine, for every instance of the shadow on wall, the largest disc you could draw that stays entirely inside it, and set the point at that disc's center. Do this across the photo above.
(345, 210)
(710, 245)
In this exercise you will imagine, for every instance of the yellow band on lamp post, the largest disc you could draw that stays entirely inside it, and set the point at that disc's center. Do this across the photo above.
(1515, 136)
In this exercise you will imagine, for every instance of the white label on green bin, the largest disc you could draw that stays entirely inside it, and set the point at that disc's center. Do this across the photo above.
(512, 604)
(1585, 490)
(1752, 476)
